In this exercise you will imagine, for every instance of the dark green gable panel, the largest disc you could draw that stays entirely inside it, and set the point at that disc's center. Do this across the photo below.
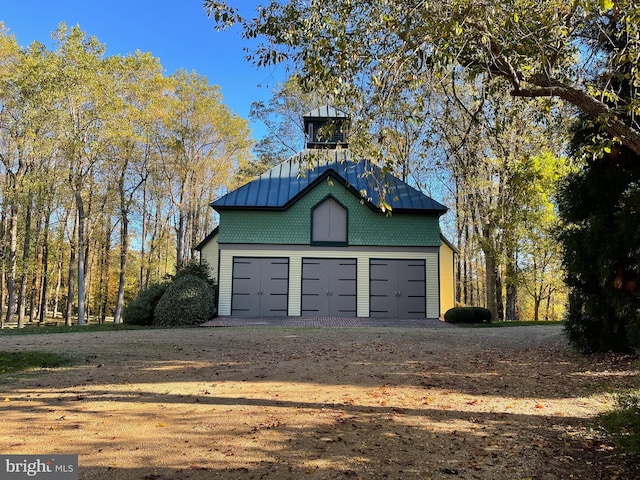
(293, 226)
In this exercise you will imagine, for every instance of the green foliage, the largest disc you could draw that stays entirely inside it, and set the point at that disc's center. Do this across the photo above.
(189, 300)
(550, 48)
(467, 315)
(12, 362)
(140, 311)
(78, 124)
(600, 207)
(624, 422)
(197, 269)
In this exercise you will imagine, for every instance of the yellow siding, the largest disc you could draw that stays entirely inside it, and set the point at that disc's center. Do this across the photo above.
(209, 253)
(447, 278)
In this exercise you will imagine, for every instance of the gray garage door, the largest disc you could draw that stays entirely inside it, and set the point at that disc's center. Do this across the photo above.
(260, 287)
(397, 288)
(329, 287)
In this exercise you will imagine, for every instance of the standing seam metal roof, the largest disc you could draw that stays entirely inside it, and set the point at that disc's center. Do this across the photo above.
(279, 187)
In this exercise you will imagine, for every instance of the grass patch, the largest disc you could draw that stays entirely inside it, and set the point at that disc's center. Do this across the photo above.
(13, 362)
(96, 327)
(510, 323)
(623, 423)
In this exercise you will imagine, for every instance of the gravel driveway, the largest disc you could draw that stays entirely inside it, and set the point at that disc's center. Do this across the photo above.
(319, 403)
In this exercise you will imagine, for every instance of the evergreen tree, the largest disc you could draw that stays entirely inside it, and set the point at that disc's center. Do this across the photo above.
(600, 206)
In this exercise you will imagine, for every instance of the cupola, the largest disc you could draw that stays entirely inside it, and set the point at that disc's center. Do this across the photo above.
(326, 127)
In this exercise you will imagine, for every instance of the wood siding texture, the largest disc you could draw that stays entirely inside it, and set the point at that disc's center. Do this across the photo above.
(209, 253)
(447, 279)
(433, 286)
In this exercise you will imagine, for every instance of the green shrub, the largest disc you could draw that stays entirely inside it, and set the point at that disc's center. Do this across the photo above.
(624, 422)
(197, 269)
(482, 315)
(189, 300)
(467, 315)
(140, 311)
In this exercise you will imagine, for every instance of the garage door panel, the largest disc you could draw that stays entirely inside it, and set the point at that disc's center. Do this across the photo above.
(312, 303)
(313, 288)
(343, 305)
(381, 306)
(380, 287)
(244, 299)
(397, 288)
(243, 267)
(412, 288)
(260, 286)
(329, 287)
(412, 307)
(346, 284)
(274, 304)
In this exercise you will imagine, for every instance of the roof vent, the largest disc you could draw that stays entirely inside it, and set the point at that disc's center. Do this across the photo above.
(326, 127)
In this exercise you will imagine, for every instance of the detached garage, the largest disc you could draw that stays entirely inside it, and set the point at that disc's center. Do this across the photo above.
(315, 236)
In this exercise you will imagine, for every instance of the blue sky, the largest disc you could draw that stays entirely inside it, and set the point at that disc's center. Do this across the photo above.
(177, 32)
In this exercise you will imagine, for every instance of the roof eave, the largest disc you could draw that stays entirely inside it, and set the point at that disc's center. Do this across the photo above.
(207, 239)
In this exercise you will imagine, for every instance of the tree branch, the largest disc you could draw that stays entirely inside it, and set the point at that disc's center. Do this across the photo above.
(595, 109)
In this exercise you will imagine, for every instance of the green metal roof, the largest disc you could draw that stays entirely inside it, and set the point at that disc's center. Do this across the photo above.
(281, 186)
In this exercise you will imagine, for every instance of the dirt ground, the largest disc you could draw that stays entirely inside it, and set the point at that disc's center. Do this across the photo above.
(318, 403)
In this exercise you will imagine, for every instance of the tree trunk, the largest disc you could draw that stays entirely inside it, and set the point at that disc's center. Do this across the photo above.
(511, 288)
(548, 305)
(3, 265)
(73, 246)
(107, 274)
(490, 275)
(512, 301)
(58, 287)
(124, 247)
(81, 257)
(44, 284)
(13, 263)
(36, 277)
(33, 298)
(26, 253)
(180, 229)
(499, 296)
(143, 236)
